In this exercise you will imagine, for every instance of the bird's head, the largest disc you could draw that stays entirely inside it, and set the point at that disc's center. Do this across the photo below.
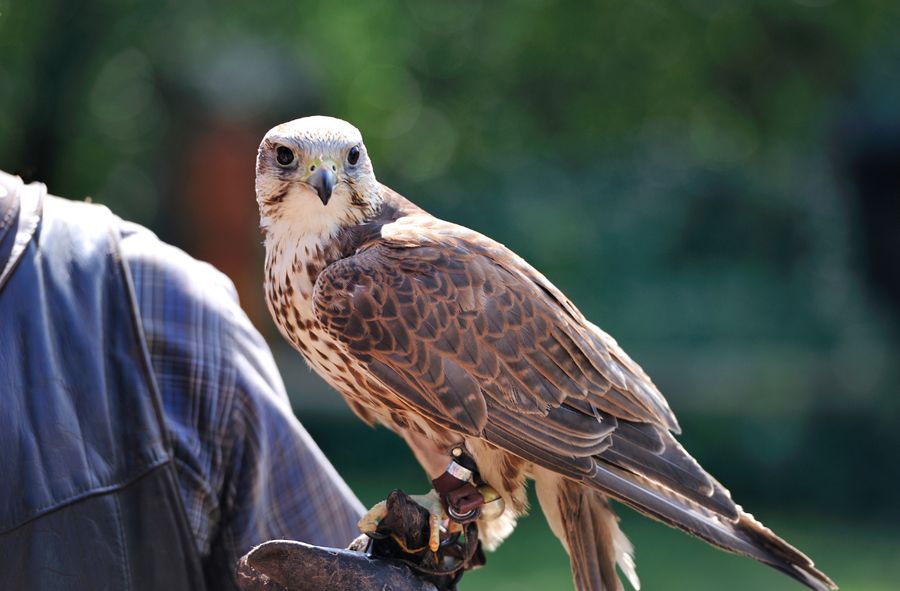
(314, 175)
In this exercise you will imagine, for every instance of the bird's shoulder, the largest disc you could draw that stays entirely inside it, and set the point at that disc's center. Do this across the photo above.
(416, 234)
(402, 230)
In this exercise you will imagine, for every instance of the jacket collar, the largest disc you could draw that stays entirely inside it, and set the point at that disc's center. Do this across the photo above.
(20, 206)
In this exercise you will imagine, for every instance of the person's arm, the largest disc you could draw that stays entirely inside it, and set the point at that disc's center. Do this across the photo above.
(247, 470)
(278, 483)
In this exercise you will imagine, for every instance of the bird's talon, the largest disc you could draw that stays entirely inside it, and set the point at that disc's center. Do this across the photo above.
(434, 540)
(368, 523)
(431, 502)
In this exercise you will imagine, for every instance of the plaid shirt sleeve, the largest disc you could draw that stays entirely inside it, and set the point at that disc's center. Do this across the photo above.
(247, 470)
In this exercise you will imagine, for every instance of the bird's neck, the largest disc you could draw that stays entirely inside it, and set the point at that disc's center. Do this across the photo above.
(296, 255)
(301, 240)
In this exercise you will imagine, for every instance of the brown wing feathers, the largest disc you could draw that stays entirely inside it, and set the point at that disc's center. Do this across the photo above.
(487, 371)
(485, 345)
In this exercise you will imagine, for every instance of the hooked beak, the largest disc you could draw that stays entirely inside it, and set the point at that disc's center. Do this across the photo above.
(322, 181)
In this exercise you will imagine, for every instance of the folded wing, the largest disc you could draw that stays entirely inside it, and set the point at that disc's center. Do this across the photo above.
(468, 335)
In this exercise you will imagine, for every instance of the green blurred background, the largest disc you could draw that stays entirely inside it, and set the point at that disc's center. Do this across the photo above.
(717, 184)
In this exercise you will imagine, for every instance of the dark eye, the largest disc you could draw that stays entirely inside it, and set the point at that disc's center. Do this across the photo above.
(353, 155)
(284, 155)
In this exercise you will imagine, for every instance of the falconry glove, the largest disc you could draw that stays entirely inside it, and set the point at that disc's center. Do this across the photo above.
(395, 556)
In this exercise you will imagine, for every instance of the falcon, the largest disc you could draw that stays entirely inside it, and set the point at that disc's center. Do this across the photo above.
(454, 342)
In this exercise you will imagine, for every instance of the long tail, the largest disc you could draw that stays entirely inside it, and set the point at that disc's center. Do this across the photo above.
(650, 472)
(734, 531)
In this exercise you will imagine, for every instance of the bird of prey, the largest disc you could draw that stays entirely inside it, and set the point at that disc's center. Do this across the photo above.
(450, 339)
